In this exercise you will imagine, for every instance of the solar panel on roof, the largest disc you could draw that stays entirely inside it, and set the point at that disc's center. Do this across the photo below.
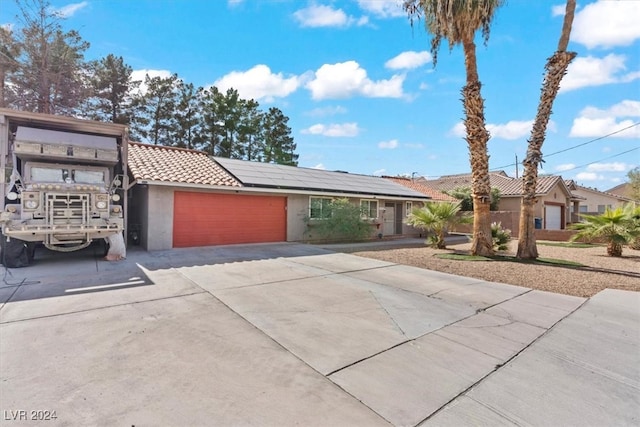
(280, 176)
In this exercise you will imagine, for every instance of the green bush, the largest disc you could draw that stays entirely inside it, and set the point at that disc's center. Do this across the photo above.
(344, 222)
(463, 194)
(501, 236)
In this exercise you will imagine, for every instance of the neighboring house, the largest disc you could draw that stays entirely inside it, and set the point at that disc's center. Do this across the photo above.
(421, 187)
(184, 198)
(554, 197)
(623, 190)
(593, 201)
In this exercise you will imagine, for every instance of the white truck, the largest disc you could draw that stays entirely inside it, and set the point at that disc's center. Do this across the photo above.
(63, 183)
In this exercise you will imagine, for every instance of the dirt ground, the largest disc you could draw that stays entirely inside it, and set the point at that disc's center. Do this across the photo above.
(599, 272)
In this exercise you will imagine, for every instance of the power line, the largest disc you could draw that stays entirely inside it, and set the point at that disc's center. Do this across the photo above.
(606, 158)
(578, 146)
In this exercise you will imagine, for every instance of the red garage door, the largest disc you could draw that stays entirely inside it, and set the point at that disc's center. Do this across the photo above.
(205, 219)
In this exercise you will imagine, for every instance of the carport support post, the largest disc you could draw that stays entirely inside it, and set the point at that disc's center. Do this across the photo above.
(4, 151)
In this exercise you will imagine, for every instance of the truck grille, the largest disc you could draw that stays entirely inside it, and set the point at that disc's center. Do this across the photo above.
(67, 208)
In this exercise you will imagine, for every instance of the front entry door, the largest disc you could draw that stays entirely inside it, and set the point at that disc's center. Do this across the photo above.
(389, 225)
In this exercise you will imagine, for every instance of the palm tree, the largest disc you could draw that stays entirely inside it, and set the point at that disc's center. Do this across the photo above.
(438, 217)
(616, 226)
(634, 213)
(457, 21)
(556, 69)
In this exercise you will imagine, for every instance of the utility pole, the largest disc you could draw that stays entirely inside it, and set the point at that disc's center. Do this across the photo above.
(516, 166)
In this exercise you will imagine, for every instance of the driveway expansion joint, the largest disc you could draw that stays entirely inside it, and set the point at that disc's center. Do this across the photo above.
(98, 308)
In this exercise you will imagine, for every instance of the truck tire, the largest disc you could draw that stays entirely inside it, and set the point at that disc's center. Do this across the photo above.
(14, 253)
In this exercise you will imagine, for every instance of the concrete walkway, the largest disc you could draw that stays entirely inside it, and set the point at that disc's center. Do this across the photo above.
(289, 334)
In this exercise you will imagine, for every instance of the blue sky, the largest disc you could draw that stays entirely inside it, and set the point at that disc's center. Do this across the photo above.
(359, 86)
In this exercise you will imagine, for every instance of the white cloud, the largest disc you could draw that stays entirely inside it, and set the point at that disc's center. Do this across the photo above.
(326, 111)
(315, 16)
(592, 71)
(512, 130)
(409, 60)
(70, 9)
(589, 176)
(139, 75)
(608, 167)
(382, 8)
(424, 86)
(458, 129)
(391, 144)
(333, 130)
(319, 166)
(380, 172)
(584, 127)
(259, 83)
(595, 122)
(347, 79)
(565, 167)
(558, 10)
(233, 3)
(607, 24)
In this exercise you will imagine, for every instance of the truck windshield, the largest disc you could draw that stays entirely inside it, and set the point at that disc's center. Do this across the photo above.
(48, 174)
(89, 177)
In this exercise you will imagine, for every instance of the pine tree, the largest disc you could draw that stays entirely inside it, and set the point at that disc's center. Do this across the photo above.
(279, 146)
(51, 75)
(111, 83)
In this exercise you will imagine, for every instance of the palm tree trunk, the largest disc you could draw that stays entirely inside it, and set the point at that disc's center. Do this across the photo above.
(556, 68)
(614, 249)
(477, 137)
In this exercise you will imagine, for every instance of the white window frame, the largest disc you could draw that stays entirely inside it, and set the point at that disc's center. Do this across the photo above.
(408, 206)
(366, 211)
(311, 198)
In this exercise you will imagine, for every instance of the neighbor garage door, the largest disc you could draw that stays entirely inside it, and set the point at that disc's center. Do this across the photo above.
(203, 219)
(553, 217)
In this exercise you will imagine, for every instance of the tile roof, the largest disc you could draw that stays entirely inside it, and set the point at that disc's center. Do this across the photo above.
(508, 186)
(421, 187)
(169, 164)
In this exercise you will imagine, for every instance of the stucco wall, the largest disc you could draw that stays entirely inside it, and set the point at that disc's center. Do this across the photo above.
(297, 209)
(159, 220)
(152, 208)
(594, 199)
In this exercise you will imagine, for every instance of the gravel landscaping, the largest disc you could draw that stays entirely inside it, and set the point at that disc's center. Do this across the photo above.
(599, 272)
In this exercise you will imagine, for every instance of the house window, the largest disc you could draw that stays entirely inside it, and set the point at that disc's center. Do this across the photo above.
(408, 208)
(319, 207)
(369, 209)
(602, 208)
(584, 208)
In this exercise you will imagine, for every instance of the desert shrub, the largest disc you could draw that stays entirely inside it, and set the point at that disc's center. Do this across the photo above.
(344, 222)
(501, 236)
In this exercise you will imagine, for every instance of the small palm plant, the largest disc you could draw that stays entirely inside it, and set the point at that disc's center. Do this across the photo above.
(634, 214)
(438, 217)
(616, 226)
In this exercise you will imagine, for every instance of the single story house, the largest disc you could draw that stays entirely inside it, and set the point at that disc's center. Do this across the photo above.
(184, 198)
(625, 190)
(554, 197)
(593, 201)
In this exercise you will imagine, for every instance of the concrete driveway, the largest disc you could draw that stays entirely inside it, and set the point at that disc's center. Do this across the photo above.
(290, 334)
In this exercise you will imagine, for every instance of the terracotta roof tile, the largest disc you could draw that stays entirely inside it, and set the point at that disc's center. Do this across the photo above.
(169, 164)
(421, 187)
